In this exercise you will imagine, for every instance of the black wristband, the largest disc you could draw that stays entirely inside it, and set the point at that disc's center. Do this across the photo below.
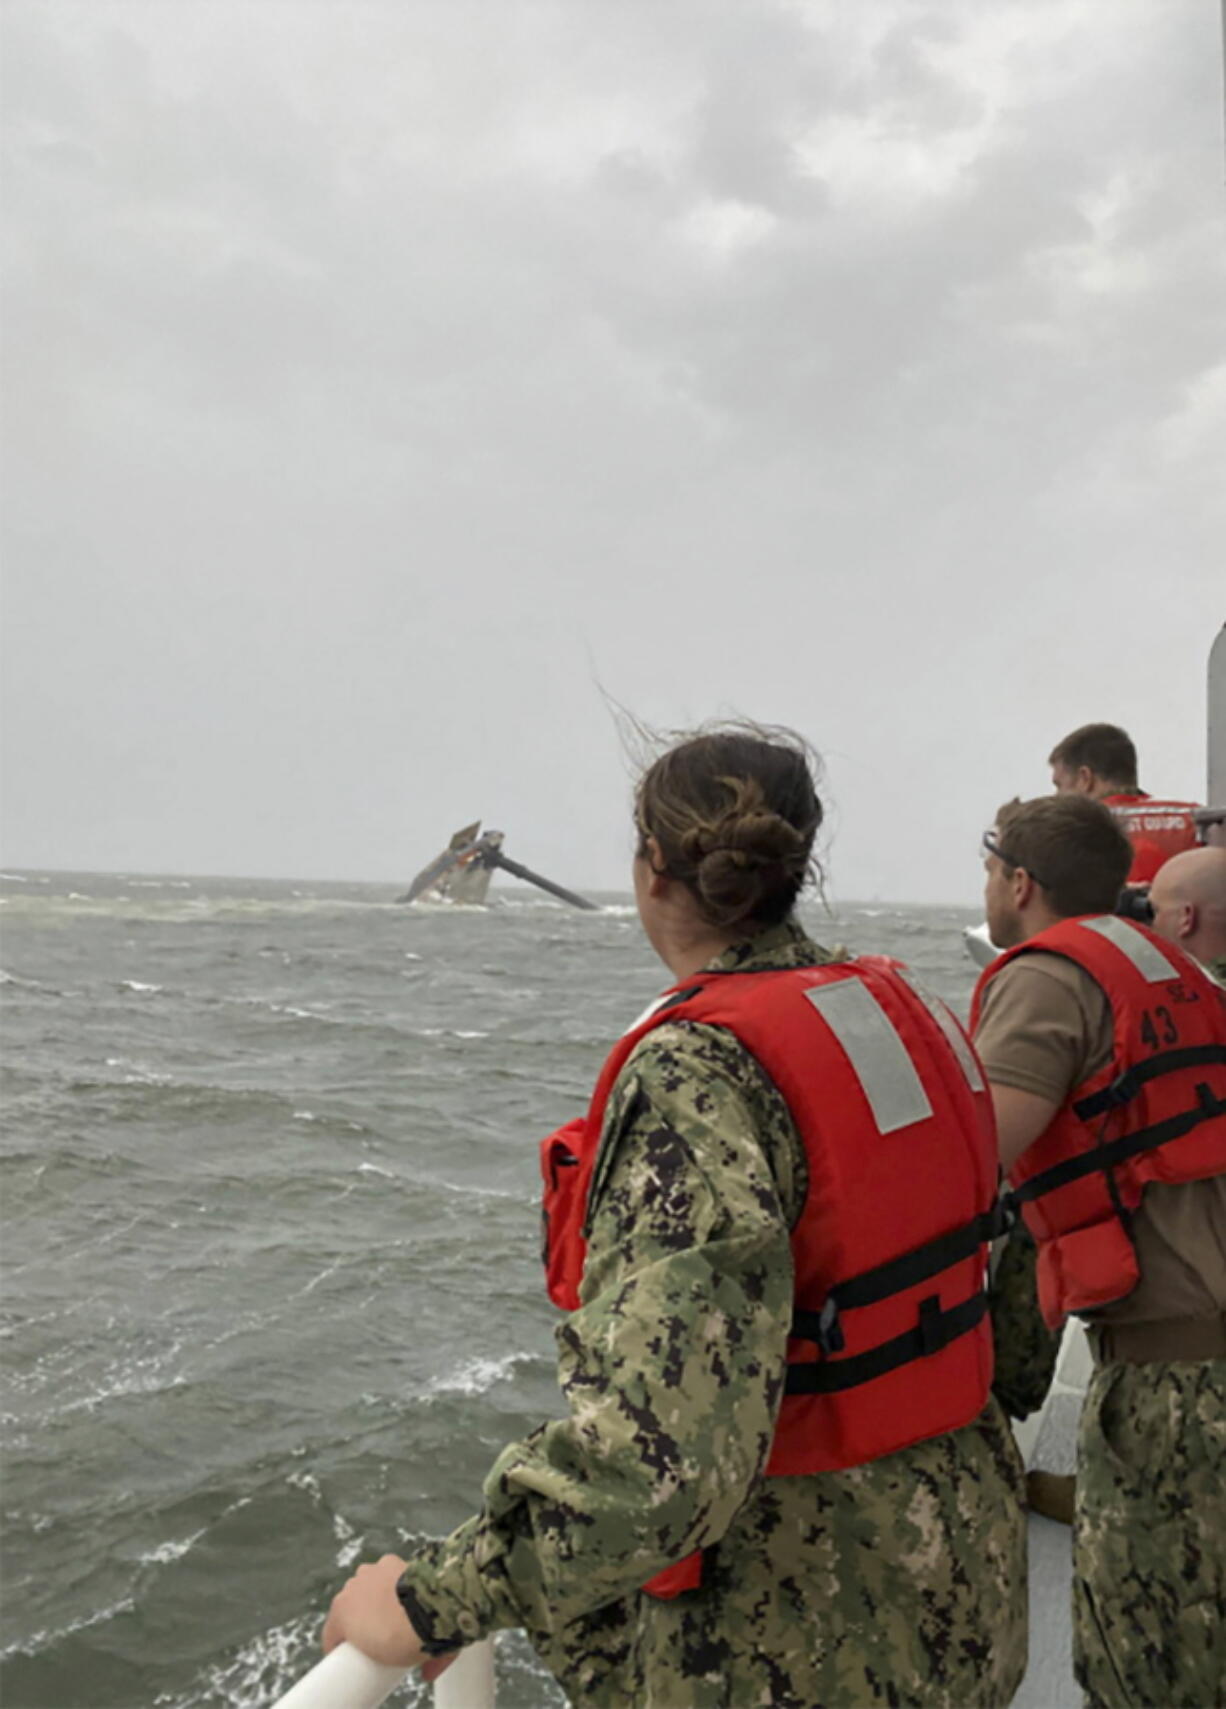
(423, 1623)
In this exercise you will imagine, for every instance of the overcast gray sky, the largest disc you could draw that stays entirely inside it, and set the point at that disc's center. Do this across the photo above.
(381, 377)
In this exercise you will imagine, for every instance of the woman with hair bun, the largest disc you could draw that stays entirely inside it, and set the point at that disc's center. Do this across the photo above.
(782, 1479)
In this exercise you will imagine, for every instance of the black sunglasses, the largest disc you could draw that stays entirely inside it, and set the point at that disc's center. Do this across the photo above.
(993, 848)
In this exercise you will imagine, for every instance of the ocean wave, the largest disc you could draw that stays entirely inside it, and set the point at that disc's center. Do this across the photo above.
(137, 1073)
(173, 1550)
(469, 1191)
(312, 1118)
(37, 1642)
(476, 1376)
(138, 986)
(322, 1276)
(444, 1032)
(159, 908)
(155, 1098)
(292, 1012)
(350, 1542)
(442, 905)
(140, 1375)
(259, 1672)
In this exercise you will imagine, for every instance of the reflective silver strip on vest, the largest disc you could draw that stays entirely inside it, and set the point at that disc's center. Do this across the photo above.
(1147, 958)
(954, 1036)
(877, 1055)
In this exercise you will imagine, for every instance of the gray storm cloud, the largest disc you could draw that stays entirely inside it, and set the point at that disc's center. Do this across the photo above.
(379, 378)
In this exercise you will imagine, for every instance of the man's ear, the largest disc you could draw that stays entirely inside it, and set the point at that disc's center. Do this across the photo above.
(1023, 887)
(1087, 780)
(1189, 919)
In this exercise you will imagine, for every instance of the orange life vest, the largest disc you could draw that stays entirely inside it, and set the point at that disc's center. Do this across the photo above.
(1156, 829)
(1156, 1112)
(890, 1340)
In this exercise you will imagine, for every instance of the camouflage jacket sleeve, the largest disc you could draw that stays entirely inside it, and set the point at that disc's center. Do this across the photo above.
(1026, 1349)
(672, 1367)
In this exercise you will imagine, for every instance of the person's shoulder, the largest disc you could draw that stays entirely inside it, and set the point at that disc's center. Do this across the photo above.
(688, 1047)
(1040, 965)
(1046, 983)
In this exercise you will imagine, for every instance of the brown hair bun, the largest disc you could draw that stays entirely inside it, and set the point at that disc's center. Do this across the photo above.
(735, 812)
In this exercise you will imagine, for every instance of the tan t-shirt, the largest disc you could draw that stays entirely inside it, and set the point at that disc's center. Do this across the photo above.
(1045, 1027)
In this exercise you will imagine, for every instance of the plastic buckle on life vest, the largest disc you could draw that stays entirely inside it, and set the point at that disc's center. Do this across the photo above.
(1208, 1100)
(1122, 1089)
(932, 1334)
(830, 1337)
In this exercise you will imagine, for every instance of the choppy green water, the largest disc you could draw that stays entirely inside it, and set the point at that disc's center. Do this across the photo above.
(272, 1300)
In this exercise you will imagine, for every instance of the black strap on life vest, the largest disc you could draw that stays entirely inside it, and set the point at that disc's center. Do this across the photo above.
(1116, 1151)
(898, 1274)
(935, 1328)
(1125, 1086)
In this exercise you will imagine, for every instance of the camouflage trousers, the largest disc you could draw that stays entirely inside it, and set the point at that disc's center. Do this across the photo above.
(1149, 1538)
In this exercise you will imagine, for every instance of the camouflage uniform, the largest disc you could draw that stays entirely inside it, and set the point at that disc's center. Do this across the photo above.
(1026, 1349)
(1149, 1578)
(899, 1581)
(1218, 969)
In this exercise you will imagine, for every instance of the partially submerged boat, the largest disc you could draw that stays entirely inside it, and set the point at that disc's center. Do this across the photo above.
(462, 872)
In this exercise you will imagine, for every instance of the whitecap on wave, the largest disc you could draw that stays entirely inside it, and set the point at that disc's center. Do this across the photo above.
(310, 1116)
(174, 1550)
(350, 1541)
(138, 1073)
(44, 1640)
(470, 1191)
(260, 1671)
(475, 1376)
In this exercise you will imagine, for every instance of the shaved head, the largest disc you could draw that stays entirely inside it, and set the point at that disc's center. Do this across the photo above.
(1197, 875)
(1188, 896)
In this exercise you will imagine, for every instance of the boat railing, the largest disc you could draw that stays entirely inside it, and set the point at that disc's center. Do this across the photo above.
(347, 1679)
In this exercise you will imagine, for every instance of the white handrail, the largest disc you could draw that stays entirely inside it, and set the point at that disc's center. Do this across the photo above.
(347, 1679)
(469, 1681)
(344, 1679)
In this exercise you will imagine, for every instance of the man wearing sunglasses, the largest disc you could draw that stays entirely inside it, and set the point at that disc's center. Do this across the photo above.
(1105, 1051)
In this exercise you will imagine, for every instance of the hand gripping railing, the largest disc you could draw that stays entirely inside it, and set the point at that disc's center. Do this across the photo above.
(347, 1679)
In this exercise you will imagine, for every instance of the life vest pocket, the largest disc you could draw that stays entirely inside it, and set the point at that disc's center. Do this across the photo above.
(1085, 1269)
(562, 1206)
